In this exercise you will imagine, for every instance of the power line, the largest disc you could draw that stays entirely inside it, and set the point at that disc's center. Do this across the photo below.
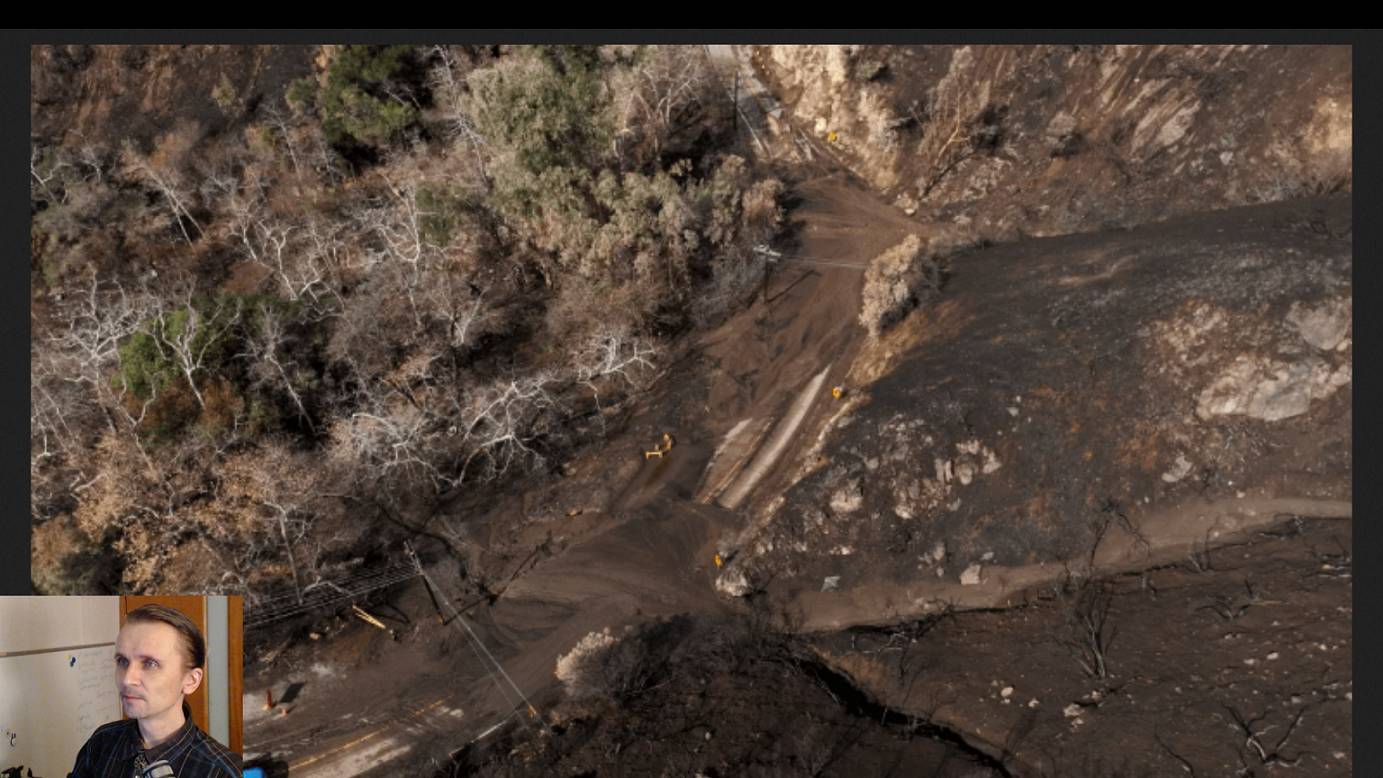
(332, 592)
(808, 261)
(477, 643)
(774, 257)
(344, 581)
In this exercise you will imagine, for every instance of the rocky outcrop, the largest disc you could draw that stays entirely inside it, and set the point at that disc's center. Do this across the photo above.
(1067, 386)
(1046, 140)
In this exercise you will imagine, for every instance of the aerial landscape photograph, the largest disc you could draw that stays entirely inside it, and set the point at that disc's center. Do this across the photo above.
(649, 409)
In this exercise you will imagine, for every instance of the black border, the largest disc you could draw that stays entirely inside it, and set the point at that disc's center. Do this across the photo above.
(619, 36)
(14, 320)
(1367, 579)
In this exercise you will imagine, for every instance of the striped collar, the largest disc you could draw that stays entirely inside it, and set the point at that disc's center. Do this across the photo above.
(170, 749)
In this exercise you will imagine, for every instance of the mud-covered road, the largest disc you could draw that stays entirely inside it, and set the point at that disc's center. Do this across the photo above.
(648, 551)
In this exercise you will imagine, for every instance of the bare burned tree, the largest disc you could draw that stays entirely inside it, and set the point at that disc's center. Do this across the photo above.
(304, 256)
(165, 170)
(448, 92)
(393, 442)
(86, 353)
(1185, 763)
(265, 347)
(396, 223)
(186, 333)
(501, 421)
(1256, 749)
(1231, 607)
(73, 397)
(659, 99)
(46, 168)
(1087, 633)
(1198, 558)
(613, 353)
(95, 158)
(281, 124)
(958, 126)
(1334, 565)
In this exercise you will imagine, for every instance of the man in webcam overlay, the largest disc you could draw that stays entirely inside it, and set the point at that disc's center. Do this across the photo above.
(159, 658)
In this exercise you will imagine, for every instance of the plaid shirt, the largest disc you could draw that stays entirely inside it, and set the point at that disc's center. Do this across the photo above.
(114, 750)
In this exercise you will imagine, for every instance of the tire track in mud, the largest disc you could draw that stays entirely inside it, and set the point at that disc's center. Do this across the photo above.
(771, 451)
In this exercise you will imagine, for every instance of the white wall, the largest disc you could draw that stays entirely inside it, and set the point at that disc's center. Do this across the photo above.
(57, 678)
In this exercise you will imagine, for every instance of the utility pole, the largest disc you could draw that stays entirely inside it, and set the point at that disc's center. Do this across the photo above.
(735, 103)
(426, 583)
(772, 257)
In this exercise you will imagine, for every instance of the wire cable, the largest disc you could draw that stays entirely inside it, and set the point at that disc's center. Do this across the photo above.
(476, 641)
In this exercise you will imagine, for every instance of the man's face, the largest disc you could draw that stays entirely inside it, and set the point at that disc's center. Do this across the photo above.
(150, 669)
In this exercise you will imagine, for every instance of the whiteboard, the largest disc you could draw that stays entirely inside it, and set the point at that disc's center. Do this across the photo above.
(51, 701)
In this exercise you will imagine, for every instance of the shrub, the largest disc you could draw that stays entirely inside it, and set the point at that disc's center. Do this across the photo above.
(897, 281)
(301, 95)
(443, 210)
(543, 108)
(224, 95)
(147, 365)
(618, 667)
(578, 668)
(363, 99)
(67, 562)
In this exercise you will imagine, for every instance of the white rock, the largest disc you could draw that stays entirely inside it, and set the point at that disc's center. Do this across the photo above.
(830, 583)
(1268, 389)
(968, 447)
(733, 583)
(1007, 691)
(1179, 470)
(991, 462)
(1323, 326)
(1071, 711)
(971, 576)
(965, 473)
(848, 498)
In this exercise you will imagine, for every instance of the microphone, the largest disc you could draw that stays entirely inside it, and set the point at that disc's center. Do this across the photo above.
(159, 769)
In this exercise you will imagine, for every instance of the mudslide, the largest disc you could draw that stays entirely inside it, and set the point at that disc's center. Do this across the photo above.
(776, 363)
(768, 389)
